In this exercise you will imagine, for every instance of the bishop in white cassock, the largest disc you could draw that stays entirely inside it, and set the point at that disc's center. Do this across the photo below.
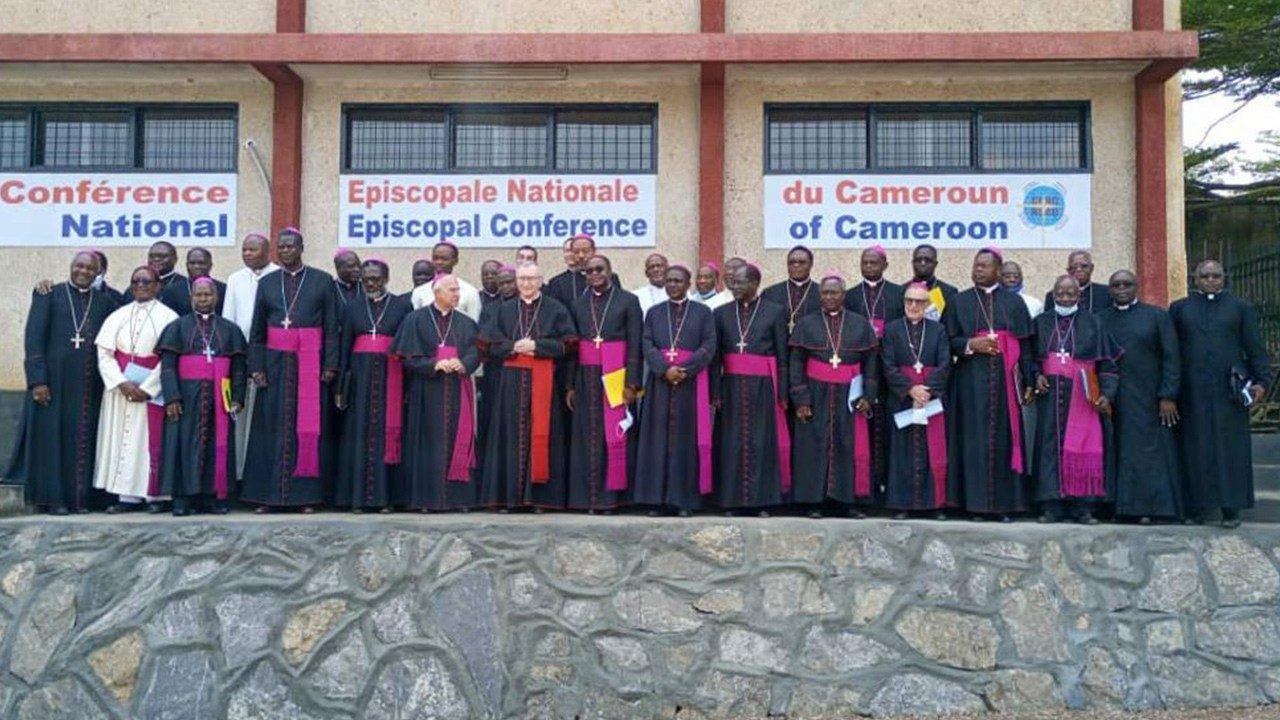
(129, 425)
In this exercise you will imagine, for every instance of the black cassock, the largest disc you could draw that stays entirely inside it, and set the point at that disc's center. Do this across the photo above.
(617, 313)
(795, 299)
(507, 477)
(486, 384)
(433, 406)
(177, 295)
(333, 417)
(190, 442)
(880, 304)
(911, 483)
(667, 466)
(980, 427)
(55, 445)
(1094, 299)
(271, 458)
(566, 287)
(825, 447)
(1149, 473)
(363, 478)
(1214, 335)
(748, 463)
(1083, 338)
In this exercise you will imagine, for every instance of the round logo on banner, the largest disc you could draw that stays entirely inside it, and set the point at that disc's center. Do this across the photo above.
(1044, 206)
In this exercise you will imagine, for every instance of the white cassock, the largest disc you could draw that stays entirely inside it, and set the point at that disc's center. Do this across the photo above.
(468, 297)
(649, 296)
(237, 306)
(724, 297)
(124, 458)
(1034, 306)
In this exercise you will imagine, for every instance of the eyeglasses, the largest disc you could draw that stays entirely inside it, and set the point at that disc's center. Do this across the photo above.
(1080, 266)
(593, 270)
(142, 282)
(915, 301)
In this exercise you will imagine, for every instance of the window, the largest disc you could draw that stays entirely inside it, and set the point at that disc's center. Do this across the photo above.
(169, 138)
(499, 138)
(828, 138)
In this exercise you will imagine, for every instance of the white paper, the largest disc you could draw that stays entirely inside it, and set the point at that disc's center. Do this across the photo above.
(933, 407)
(855, 391)
(917, 416)
(137, 375)
(625, 424)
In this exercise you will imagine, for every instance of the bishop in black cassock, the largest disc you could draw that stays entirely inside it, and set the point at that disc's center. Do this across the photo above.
(673, 467)
(1149, 475)
(56, 442)
(798, 294)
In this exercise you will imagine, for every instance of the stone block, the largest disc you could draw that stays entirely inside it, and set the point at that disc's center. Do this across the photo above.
(1103, 680)
(654, 610)
(17, 579)
(1255, 638)
(751, 650)
(1068, 582)
(1184, 682)
(64, 700)
(416, 687)
(726, 695)
(952, 638)
(466, 611)
(584, 562)
(246, 622)
(308, 625)
(116, 665)
(583, 613)
(720, 602)
(788, 545)
(178, 686)
(721, 544)
(869, 602)
(1165, 637)
(677, 566)
(813, 700)
(622, 654)
(1242, 573)
(266, 694)
(179, 621)
(1022, 691)
(780, 593)
(918, 694)
(342, 674)
(938, 556)
(51, 616)
(1033, 616)
(393, 621)
(1005, 550)
(458, 555)
(832, 652)
(864, 553)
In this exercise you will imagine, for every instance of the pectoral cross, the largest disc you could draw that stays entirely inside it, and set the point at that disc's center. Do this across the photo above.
(835, 361)
(597, 340)
(208, 353)
(77, 340)
(992, 334)
(918, 367)
(374, 332)
(1062, 356)
(672, 355)
(791, 325)
(742, 346)
(287, 322)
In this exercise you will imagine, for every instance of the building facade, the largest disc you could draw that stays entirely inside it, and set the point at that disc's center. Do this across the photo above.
(699, 128)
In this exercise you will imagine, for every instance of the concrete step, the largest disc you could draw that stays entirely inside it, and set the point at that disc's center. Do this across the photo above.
(1266, 449)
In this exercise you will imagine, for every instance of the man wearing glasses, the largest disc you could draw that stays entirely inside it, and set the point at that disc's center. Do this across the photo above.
(1093, 296)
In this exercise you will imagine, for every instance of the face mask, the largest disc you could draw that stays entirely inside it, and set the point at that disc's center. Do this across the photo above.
(1065, 311)
(1014, 288)
(98, 282)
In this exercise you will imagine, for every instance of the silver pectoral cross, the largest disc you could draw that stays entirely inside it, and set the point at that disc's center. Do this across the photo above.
(672, 355)
(918, 367)
(1062, 356)
(742, 346)
(208, 353)
(287, 322)
(77, 340)
(835, 361)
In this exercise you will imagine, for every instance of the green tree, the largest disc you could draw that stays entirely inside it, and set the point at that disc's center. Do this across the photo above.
(1239, 47)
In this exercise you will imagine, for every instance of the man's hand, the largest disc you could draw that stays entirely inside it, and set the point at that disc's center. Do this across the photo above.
(41, 394)
(1258, 391)
(1103, 406)
(259, 379)
(628, 395)
(525, 346)
(804, 413)
(327, 376)
(1042, 385)
(673, 375)
(235, 408)
(1028, 396)
(44, 287)
(1169, 413)
(568, 399)
(984, 345)
(173, 410)
(132, 392)
(920, 395)
(863, 406)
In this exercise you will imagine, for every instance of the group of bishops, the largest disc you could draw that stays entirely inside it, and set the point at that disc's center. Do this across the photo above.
(288, 387)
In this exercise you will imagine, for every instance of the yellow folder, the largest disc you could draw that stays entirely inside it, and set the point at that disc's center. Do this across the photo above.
(226, 394)
(936, 299)
(614, 383)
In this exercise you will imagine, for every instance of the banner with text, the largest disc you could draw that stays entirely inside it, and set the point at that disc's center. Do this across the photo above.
(495, 210)
(949, 211)
(117, 209)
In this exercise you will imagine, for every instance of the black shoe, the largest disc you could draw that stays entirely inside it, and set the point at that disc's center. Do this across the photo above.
(307, 509)
(1144, 520)
(120, 508)
(1230, 519)
(155, 508)
(262, 510)
(501, 511)
(1087, 518)
(538, 511)
(1006, 519)
(730, 513)
(900, 516)
(1046, 519)
(181, 512)
(357, 511)
(977, 518)
(219, 509)
(763, 513)
(939, 515)
(59, 510)
(857, 514)
(1192, 520)
(82, 511)
(384, 511)
(683, 513)
(815, 515)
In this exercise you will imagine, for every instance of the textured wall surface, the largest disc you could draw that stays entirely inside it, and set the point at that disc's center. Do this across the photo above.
(556, 616)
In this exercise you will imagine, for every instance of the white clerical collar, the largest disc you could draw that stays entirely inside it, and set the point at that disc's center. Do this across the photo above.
(378, 298)
(488, 294)
(872, 283)
(833, 313)
(915, 322)
(165, 277)
(799, 283)
(80, 289)
(681, 301)
(988, 290)
(442, 311)
(531, 300)
(1126, 306)
(705, 295)
(601, 293)
(259, 271)
(293, 272)
(747, 303)
(1210, 296)
(204, 316)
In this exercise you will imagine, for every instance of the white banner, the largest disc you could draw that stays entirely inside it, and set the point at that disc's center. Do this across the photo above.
(495, 210)
(949, 211)
(117, 209)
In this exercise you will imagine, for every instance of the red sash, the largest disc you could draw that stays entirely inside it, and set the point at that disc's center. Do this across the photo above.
(1080, 462)
(609, 357)
(935, 436)
(464, 449)
(198, 367)
(767, 366)
(877, 324)
(821, 371)
(702, 403)
(1010, 353)
(155, 422)
(305, 344)
(540, 412)
(381, 345)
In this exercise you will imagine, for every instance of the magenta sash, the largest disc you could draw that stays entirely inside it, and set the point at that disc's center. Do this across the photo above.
(609, 357)
(381, 345)
(702, 403)
(198, 367)
(463, 459)
(935, 436)
(305, 344)
(877, 324)
(155, 423)
(1080, 464)
(767, 366)
(821, 371)
(1010, 353)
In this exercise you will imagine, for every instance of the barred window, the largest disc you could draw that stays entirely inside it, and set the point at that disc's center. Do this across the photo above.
(897, 137)
(604, 140)
(818, 141)
(122, 138)
(14, 126)
(924, 139)
(183, 140)
(499, 138)
(98, 139)
(393, 141)
(1031, 139)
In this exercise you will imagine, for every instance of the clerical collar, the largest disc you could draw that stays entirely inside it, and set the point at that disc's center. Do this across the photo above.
(705, 295)
(80, 289)
(601, 293)
(747, 303)
(799, 283)
(294, 272)
(1126, 306)
(681, 301)
(988, 290)
(379, 298)
(346, 285)
(442, 311)
(833, 313)
(531, 300)
(165, 277)
(872, 283)
(1210, 296)
(204, 316)
(489, 294)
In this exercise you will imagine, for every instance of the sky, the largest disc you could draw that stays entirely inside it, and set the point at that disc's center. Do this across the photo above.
(1242, 127)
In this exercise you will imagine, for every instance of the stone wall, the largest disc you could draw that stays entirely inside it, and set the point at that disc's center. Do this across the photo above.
(520, 616)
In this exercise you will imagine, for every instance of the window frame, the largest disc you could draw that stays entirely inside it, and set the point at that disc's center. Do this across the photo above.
(975, 110)
(35, 149)
(452, 110)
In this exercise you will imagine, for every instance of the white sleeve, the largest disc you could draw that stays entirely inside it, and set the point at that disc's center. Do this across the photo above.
(106, 342)
(422, 295)
(229, 302)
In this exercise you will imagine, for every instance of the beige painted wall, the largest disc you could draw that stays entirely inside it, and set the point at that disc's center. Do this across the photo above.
(1111, 95)
(927, 15)
(26, 265)
(407, 16)
(189, 16)
(675, 89)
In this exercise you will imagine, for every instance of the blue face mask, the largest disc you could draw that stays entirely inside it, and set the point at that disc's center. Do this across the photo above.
(1014, 288)
(1065, 311)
